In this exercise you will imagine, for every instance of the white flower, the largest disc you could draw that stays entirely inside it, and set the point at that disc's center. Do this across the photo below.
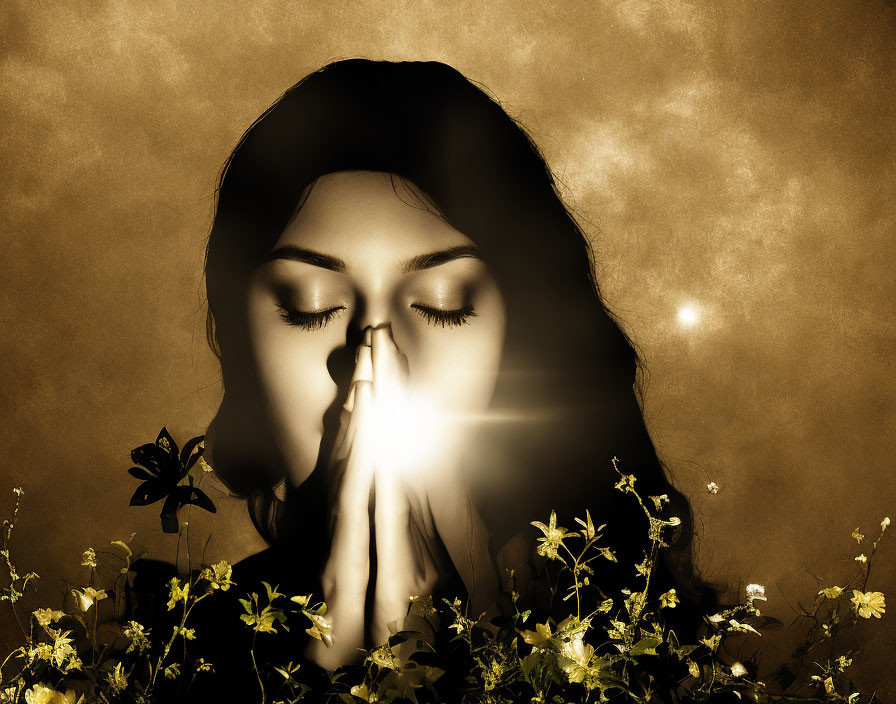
(868, 604)
(44, 694)
(87, 596)
(755, 591)
(738, 670)
(713, 488)
(47, 616)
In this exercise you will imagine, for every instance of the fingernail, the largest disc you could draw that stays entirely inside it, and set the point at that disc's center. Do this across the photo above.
(350, 401)
(358, 351)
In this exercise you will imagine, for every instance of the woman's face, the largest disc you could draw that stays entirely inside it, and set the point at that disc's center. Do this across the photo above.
(359, 254)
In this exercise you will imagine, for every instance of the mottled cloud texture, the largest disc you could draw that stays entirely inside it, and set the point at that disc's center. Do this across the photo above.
(735, 156)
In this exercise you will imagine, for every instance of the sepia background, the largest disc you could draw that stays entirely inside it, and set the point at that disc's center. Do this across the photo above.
(733, 162)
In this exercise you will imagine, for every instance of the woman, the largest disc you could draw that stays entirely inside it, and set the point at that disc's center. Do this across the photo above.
(388, 224)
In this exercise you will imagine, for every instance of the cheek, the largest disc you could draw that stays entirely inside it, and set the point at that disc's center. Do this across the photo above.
(295, 384)
(458, 367)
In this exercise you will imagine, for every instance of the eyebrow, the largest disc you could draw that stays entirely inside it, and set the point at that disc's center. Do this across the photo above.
(308, 256)
(428, 261)
(418, 263)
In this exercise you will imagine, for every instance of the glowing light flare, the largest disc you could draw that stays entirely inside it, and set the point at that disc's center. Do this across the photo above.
(407, 431)
(688, 316)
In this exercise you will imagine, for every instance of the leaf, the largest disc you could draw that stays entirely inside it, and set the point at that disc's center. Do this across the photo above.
(683, 652)
(645, 646)
(148, 492)
(166, 442)
(402, 636)
(191, 495)
(191, 452)
(199, 498)
(168, 514)
(141, 473)
(272, 591)
(150, 456)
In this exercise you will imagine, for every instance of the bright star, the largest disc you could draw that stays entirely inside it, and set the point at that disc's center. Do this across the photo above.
(687, 316)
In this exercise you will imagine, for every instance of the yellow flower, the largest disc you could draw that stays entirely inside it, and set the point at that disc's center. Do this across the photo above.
(218, 575)
(742, 627)
(832, 592)
(45, 617)
(868, 604)
(138, 635)
(541, 635)
(177, 593)
(843, 662)
(659, 500)
(669, 599)
(619, 630)
(713, 642)
(185, 633)
(88, 559)
(626, 483)
(713, 488)
(858, 536)
(738, 670)
(884, 524)
(861, 558)
(553, 537)
(117, 679)
(62, 647)
(88, 596)
(385, 657)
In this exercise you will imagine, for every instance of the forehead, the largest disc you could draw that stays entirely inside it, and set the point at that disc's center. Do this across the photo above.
(359, 216)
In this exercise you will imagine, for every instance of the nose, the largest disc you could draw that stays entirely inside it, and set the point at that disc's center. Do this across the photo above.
(373, 312)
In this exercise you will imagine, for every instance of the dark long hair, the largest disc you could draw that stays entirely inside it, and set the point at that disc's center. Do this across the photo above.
(568, 367)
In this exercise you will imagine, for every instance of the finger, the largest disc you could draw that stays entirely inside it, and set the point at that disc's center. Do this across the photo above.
(346, 575)
(395, 561)
(388, 369)
(363, 370)
(357, 450)
(348, 421)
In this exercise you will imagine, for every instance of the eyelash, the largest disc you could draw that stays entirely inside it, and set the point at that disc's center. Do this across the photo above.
(444, 318)
(433, 316)
(308, 321)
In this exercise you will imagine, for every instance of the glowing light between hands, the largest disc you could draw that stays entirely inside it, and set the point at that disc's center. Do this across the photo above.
(408, 432)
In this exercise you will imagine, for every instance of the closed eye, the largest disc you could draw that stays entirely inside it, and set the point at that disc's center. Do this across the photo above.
(444, 318)
(308, 320)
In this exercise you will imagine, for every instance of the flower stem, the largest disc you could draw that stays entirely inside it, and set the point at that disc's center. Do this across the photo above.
(255, 666)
